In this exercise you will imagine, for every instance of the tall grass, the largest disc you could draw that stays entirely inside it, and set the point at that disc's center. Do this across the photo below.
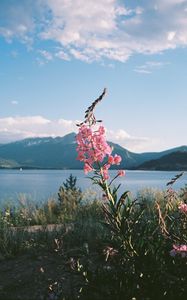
(133, 263)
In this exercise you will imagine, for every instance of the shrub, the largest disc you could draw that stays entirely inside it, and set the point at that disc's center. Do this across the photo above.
(69, 198)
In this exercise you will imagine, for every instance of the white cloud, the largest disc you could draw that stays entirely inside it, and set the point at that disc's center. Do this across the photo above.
(150, 66)
(17, 20)
(97, 29)
(46, 55)
(62, 55)
(80, 55)
(171, 35)
(133, 143)
(17, 128)
(69, 124)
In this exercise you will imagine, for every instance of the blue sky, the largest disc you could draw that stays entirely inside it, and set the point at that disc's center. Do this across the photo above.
(56, 56)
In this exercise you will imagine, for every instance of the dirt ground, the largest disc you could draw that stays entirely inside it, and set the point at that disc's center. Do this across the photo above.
(38, 276)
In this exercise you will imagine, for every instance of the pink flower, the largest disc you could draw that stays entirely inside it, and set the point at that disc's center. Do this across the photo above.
(108, 149)
(111, 159)
(106, 166)
(183, 208)
(93, 148)
(117, 159)
(101, 130)
(87, 168)
(179, 249)
(183, 248)
(104, 171)
(81, 156)
(105, 174)
(121, 173)
(92, 145)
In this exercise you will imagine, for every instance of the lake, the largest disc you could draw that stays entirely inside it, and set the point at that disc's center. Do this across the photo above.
(39, 185)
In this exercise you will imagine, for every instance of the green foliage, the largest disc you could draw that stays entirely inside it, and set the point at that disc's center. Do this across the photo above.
(118, 249)
(69, 197)
(183, 194)
(135, 263)
(88, 226)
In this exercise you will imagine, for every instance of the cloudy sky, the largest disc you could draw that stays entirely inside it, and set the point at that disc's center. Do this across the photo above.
(56, 56)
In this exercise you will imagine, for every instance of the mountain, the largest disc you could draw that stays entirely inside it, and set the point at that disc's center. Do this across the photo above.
(60, 153)
(172, 161)
(50, 153)
(55, 153)
(131, 160)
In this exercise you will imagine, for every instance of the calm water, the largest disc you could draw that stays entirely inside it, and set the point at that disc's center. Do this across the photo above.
(41, 184)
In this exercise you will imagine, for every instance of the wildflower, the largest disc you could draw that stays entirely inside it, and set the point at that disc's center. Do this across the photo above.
(106, 175)
(121, 173)
(101, 130)
(179, 249)
(92, 147)
(111, 159)
(87, 168)
(183, 208)
(117, 159)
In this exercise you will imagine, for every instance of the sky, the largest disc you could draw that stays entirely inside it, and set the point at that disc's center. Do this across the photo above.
(57, 56)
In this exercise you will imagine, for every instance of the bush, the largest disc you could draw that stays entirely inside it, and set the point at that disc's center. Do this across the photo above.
(69, 198)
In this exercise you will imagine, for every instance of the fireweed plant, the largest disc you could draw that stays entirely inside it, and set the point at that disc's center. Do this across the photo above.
(96, 154)
(121, 213)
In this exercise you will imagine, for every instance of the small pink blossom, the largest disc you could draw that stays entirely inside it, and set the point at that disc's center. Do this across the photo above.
(183, 208)
(179, 249)
(81, 156)
(106, 166)
(101, 130)
(111, 159)
(117, 159)
(87, 168)
(108, 149)
(121, 173)
(104, 171)
(106, 175)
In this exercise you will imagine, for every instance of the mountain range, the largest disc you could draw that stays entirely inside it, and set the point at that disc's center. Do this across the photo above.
(60, 153)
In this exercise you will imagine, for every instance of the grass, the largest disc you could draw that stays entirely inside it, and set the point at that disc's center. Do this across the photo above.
(84, 259)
